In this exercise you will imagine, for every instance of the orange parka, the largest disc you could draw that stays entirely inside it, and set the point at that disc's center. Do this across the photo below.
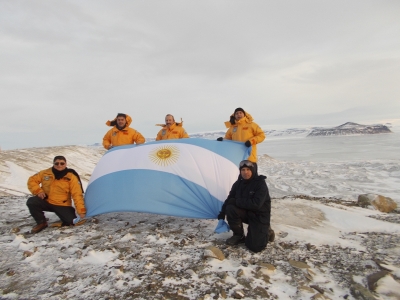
(59, 192)
(246, 130)
(126, 136)
(175, 131)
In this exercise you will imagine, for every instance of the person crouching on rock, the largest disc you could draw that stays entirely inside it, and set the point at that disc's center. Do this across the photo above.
(248, 202)
(53, 189)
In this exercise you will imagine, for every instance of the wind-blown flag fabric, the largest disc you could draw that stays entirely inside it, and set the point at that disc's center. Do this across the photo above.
(186, 178)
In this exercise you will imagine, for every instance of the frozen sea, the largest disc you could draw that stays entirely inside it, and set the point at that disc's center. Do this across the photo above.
(340, 167)
(333, 148)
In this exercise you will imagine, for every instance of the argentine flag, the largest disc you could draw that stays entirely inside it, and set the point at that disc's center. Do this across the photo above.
(185, 178)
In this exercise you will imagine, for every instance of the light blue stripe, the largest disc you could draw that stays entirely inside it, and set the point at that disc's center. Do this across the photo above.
(150, 192)
(231, 150)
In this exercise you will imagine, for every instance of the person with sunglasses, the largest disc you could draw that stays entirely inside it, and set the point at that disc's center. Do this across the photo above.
(242, 128)
(248, 202)
(120, 133)
(171, 130)
(53, 189)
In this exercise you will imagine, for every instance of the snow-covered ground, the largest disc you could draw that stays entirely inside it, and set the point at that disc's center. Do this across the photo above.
(326, 247)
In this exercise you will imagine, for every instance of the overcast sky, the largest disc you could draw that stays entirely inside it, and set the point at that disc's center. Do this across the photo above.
(66, 67)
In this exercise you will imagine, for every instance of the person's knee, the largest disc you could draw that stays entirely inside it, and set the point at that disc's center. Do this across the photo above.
(257, 237)
(31, 201)
(255, 249)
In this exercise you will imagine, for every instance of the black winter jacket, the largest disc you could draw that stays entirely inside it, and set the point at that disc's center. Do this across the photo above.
(252, 195)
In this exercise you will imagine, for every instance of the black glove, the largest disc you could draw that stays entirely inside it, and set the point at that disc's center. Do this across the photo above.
(221, 216)
(247, 143)
(232, 120)
(220, 139)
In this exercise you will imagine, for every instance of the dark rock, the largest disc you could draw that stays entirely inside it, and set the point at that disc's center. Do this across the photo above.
(244, 282)
(360, 292)
(222, 293)
(363, 201)
(317, 288)
(374, 278)
(260, 291)
(238, 295)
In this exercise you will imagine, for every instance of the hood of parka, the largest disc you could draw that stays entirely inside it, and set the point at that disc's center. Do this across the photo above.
(246, 119)
(253, 172)
(114, 122)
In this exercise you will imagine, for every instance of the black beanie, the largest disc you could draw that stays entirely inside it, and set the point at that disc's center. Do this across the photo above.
(239, 109)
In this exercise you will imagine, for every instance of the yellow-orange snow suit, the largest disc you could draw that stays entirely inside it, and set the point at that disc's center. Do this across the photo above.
(59, 192)
(246, 130)
(175, 131)
(115, 137)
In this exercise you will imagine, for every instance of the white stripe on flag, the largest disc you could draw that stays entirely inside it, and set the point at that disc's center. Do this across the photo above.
(196, 164)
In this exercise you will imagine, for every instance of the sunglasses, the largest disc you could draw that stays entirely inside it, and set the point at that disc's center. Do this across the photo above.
(59, 163)
(246, 163)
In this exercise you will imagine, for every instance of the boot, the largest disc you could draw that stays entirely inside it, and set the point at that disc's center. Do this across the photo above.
(271, 235)
(39, 227)
(81, 222)
(56, 224)
(235, 240)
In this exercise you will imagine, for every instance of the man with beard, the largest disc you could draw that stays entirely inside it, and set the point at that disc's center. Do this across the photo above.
(248, 202)
(171, 130)
(121, 133)
(53, 189)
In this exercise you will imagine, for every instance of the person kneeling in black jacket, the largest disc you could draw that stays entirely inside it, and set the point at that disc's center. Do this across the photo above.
(249, 202)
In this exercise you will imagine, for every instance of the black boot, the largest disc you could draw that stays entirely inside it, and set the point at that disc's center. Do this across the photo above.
(271, 235)
(235, 240)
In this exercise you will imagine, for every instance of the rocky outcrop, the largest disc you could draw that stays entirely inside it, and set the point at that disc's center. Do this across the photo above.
(350, 128)
(381, 203)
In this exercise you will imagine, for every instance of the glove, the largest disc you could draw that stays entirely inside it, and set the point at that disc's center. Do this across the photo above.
(221, 216)
(232, 120)
(220, 139)
(247, 143)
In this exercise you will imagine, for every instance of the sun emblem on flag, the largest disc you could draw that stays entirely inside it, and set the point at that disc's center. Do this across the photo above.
(164, 155)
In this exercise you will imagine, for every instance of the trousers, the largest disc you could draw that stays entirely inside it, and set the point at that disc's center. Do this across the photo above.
(257, 232)
(37, 206)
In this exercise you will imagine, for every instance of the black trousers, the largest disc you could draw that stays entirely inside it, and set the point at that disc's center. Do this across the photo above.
(37, 206)
(257, 232)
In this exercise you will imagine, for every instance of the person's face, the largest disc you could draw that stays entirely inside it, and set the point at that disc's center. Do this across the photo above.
(121, 121)
(169, 120)
(246, 173)
(238, 115)
(60, 165)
